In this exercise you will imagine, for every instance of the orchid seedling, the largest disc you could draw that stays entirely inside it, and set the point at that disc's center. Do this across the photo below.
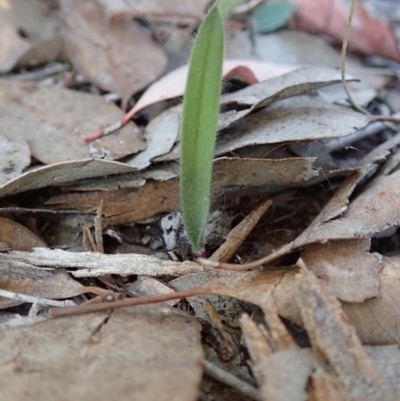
(199, 121)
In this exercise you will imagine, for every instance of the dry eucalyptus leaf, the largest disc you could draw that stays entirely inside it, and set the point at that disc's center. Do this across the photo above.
(29, 34)
(387, 360)
(22, 278)
(62, 173)
(14, 158)
(335, 340)
(144, 353)
(295, 119)
(282, 375)
(271, 173)
(18, 237)
(348, 269)
(296, 48)
(92, 264)
(126, 205)
(173, 84)
(377, 320)
(160, 134)
(54, 120)
(156, 8)
(297, 82)
(118, 57)
(378, 204)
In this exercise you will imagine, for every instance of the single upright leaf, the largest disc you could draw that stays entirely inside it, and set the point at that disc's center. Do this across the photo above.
(199, 125)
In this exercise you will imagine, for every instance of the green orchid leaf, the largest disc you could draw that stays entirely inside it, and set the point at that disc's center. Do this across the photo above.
(272, 16)
(199, 125)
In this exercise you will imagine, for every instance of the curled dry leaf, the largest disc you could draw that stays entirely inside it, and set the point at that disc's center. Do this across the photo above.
(163, 131)
(173, 84)
(155, 8)
(18, 237)
(119, 356)
(62, 173)
(294, 119)
(29, 34)
(14, 158)
(368, 35)
(53, 120)
(118, 57)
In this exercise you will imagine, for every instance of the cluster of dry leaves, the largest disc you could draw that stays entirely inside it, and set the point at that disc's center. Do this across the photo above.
(301, 181)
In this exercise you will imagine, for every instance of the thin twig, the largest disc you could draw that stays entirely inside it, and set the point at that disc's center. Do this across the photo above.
(343, 58)
(33, 300)
(229, 379)
(88, 308)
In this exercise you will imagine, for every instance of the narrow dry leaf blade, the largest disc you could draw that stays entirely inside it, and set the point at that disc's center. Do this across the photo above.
(62, 173)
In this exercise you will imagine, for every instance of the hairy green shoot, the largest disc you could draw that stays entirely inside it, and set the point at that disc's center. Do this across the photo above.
(199, 124)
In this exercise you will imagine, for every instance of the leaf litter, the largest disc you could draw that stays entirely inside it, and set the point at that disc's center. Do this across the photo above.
(80, 233)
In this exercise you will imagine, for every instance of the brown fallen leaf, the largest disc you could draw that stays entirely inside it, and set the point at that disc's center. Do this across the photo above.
(348, 269)
(334, 340)
(377, 320)
(62, 173)
(14, 158)
(22, 278)
(18, 237)
(52, 120)
(146, 353)
(327, 226)
(124, 205)
(29, 34)
(368, 35)
(118, 57)
(229, 174)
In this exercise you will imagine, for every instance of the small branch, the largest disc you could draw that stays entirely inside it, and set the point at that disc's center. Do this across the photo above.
(229, 379)
(88, 308)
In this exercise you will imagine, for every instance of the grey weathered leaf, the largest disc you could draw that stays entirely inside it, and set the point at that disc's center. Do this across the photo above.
(54, 120)
(119, 356)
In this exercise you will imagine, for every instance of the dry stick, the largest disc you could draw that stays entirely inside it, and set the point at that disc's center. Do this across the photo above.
(88, 308)
(229, 379)
(343, 58)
